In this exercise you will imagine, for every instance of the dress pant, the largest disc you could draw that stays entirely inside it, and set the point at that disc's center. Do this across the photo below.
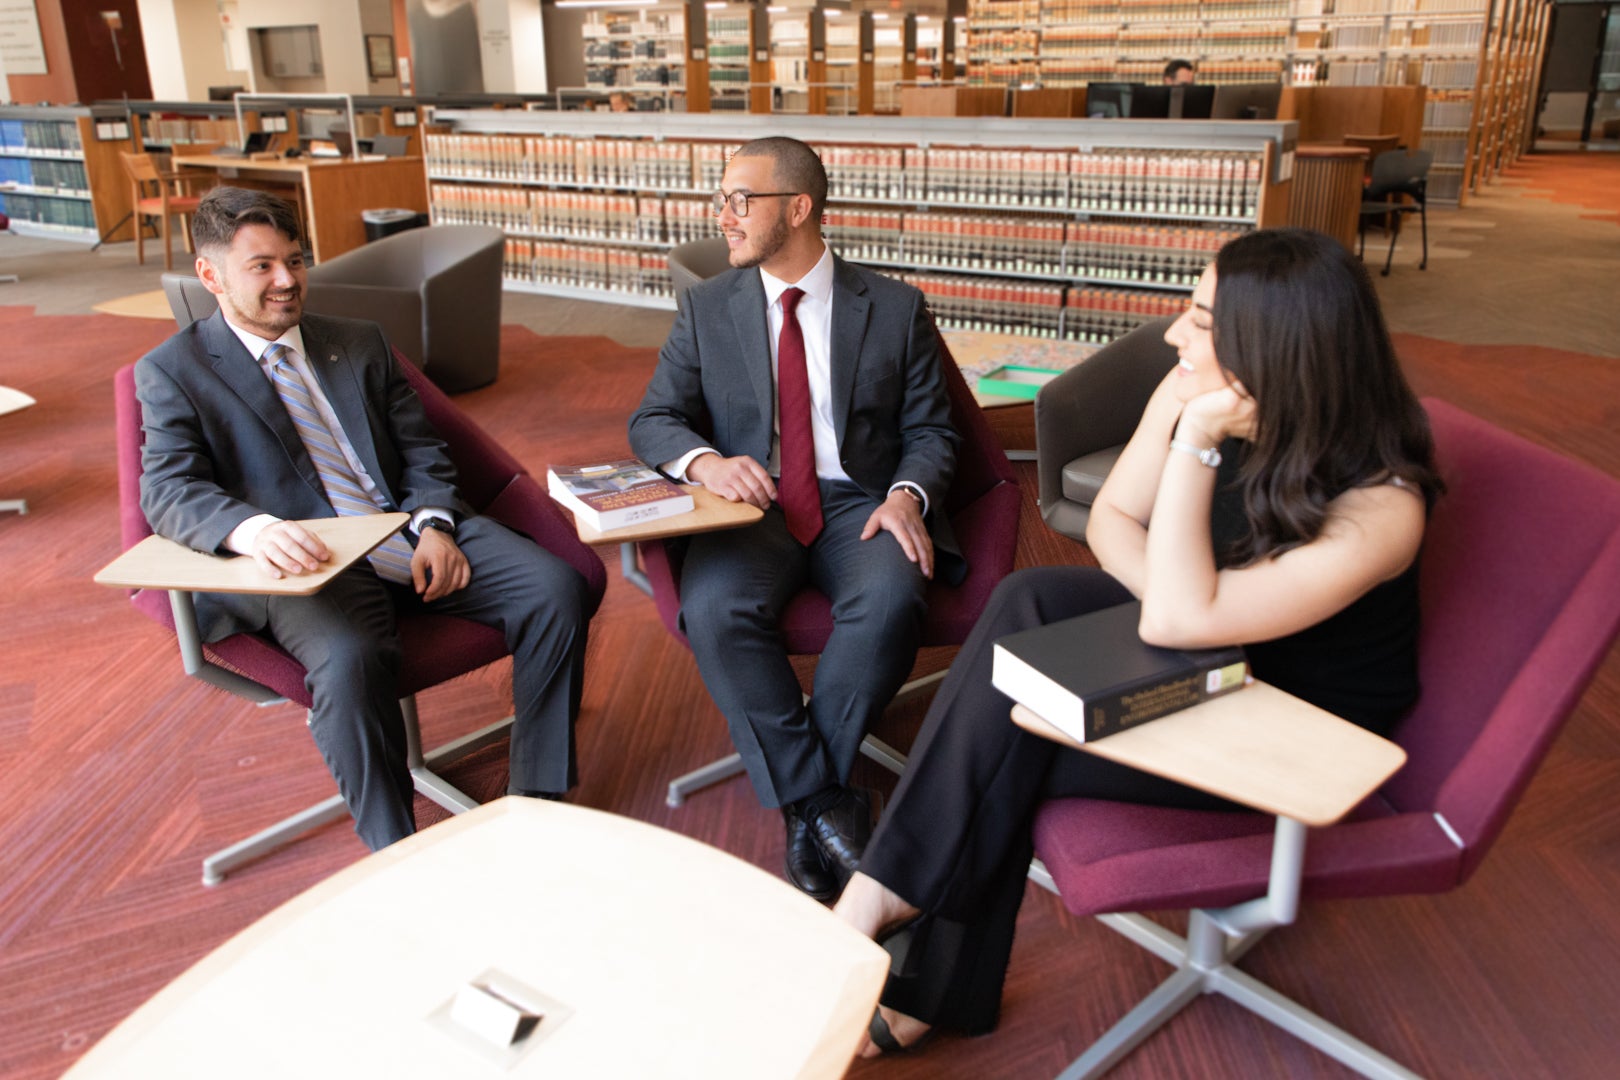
(955, 840)
(734, 588)
(347, 639)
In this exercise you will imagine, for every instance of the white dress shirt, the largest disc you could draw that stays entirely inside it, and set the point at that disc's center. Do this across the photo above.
(815, 323)
(241, 538)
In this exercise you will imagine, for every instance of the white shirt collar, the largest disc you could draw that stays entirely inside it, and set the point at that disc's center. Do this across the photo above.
(255, 345)
(817, 284)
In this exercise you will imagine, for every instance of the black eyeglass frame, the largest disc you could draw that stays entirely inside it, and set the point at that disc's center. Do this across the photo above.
(721, 200)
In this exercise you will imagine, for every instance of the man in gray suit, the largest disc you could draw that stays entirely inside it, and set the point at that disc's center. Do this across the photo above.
(810, 388)
(262, 414)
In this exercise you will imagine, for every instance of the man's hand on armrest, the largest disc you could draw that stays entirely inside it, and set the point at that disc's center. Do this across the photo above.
(736, 479)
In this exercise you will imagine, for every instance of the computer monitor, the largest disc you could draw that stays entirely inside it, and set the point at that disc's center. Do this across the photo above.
(386, 145)
(1247, 101)
(341, 139)
(1148, 102)
(1107, 100)
(1192, 102)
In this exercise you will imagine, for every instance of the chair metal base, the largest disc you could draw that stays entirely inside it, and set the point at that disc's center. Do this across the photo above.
(1206, 962)
(428, 784)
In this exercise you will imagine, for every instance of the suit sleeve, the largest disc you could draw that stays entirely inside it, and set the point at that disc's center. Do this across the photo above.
(179, 494)
(928, 441)
(427, 476)
(672, 414)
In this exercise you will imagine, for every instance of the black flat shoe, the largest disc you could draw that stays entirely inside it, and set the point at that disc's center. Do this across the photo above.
(805, 865)
(882, 1038)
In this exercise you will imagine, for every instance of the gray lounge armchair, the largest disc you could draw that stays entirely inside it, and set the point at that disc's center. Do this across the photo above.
(436, 292)
(1084, 417)
(697, 260)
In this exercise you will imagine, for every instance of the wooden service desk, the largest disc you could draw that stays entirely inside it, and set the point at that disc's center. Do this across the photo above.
(651, 955)
(334, 191)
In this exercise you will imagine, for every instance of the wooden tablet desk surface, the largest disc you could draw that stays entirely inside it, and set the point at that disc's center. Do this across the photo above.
(664, 958)
(1258, 746)
(156, 563)
(335, 191)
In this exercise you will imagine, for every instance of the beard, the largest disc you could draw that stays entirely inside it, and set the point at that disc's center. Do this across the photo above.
(764, 245)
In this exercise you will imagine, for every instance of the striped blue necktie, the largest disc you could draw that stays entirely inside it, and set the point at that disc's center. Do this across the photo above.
(392, 560)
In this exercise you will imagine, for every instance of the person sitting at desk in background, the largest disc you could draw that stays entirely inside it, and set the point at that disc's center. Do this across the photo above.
(1274, 495)
(619, 101)
(263, 413)
(849, 453)
(1180, 73)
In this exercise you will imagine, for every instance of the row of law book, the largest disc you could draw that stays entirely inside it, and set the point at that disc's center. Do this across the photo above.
(49, 211)
(65, 176)
(48, 136)
(1122, 179)
(613, 494)
(609, 269)
(1093, 676)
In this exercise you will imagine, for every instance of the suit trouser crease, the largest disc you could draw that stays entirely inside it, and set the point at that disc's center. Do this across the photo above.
(346, 636)
(956, 839)
(735, 586)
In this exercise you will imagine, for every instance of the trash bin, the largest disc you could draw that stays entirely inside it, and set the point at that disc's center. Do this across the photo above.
(381, 223)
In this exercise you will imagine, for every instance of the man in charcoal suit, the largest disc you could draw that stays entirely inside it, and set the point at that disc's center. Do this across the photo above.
(810, 388)
(260, 415)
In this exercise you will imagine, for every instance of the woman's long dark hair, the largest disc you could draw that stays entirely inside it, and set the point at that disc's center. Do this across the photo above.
(1296, 320)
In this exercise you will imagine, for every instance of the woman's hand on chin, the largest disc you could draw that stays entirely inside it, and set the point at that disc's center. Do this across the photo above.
(1210, 418)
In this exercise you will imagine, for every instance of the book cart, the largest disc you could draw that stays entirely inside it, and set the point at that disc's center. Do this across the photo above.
(60, 173)
(1076, 230)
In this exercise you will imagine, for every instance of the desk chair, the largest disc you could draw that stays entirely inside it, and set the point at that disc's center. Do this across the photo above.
(157, 192)
(697, 260)
(1084, 417)
(437, 648)
(1397, 173)
(983, 508)
(1521, 601)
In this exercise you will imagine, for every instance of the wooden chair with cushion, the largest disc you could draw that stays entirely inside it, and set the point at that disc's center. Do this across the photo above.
(158, 192)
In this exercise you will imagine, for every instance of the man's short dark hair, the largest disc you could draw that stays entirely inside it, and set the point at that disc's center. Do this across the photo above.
(224, 210)
(797, 167)
(1175, 67)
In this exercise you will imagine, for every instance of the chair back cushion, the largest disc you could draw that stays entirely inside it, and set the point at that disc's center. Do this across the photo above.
(1521, 600)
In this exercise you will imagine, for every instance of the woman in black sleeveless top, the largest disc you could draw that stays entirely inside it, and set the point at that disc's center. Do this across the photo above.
(1297, 538)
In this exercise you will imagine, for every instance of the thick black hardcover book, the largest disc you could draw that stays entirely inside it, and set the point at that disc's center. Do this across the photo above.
(1093, 676)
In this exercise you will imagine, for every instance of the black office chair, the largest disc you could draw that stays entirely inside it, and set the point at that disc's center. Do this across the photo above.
(1396, 173)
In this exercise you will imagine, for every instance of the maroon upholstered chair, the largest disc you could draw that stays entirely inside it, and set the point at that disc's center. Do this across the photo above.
(1521, 601)
(436, 647)
(983, 508)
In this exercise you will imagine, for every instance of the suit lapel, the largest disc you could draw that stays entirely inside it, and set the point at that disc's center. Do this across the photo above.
(850, 309)
(237, 368)
(754, 342)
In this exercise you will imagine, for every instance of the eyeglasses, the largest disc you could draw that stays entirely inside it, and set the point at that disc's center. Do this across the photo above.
(738, 200)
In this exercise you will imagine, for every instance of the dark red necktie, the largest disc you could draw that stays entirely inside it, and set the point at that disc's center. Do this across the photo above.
(796, 490)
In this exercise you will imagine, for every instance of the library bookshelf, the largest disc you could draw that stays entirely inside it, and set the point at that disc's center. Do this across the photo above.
(60, 173)
(1077, 230)
(1477, 60)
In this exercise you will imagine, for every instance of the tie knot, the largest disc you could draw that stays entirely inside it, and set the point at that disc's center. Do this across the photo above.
(790, 299)
(277, 352)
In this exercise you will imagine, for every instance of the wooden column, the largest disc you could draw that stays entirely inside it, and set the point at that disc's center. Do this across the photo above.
(947, 51)
(816, 68)
(697, 57)
(865, 90)
(759, 58)
(908, 50)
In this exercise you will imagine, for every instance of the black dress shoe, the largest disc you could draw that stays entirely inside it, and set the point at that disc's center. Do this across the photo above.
(843, 829)
(805, 865)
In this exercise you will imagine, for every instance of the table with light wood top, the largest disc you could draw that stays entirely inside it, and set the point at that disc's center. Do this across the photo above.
(335, 190)
(1258, 746)
(650, 954)
(13, 401)
(157, 563)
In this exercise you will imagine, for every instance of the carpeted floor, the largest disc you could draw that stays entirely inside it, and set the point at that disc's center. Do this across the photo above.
(1573, 178)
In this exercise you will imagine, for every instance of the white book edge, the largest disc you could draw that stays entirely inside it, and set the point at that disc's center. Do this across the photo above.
(1038, 692)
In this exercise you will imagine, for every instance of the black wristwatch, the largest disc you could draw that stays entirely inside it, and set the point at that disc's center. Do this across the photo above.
(436, 523)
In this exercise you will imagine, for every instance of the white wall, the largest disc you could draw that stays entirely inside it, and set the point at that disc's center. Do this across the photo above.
(185, 49)
(513, 45)
(343, 43)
